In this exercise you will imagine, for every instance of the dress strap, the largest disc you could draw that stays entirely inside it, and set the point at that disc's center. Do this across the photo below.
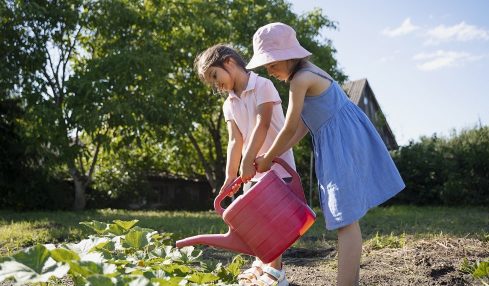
(316, 73)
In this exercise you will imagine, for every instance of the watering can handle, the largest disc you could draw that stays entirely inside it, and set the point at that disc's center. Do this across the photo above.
(226, 192)
(295, 185)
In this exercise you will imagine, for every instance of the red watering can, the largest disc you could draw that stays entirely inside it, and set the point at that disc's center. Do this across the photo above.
(264, 221)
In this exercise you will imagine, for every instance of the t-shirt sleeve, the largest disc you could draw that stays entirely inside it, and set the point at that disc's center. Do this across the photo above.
(228, 114)
(267, 93)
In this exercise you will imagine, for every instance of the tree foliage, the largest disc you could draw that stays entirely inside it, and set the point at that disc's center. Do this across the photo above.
(101, 79)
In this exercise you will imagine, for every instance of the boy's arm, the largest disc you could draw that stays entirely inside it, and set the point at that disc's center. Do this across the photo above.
(258, 135)
(235, 144)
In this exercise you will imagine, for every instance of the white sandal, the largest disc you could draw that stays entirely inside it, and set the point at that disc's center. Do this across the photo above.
(278, 279)
(249, 276)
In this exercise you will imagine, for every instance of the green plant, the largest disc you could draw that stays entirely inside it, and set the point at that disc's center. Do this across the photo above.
(120, 254)
(388, 241)
(478, 269)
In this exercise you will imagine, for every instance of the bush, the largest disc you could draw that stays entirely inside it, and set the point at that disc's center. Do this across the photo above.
(25, 183)
(446, 171)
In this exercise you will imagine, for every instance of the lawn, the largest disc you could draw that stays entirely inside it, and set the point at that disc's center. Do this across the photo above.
(403, 245)
(22, 229)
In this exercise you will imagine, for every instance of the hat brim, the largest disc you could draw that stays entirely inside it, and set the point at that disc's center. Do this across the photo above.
(278, 55)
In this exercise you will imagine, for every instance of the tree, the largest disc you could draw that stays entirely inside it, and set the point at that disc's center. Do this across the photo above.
(72, 100)
(50, 32)
(98, 76)
(195, 25)
(146, 51)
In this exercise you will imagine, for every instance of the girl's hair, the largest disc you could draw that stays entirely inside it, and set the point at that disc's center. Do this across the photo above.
(298, 64)
(215, 56)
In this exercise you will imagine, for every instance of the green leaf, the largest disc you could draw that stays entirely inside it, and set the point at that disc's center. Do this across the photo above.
(97, 226)
(176, 269)
(100, 280)
(126, 224)
(140, 281)
(34, 257)
(236, 264)
(85, 268)
(482, 270)
(202, 278)
(230, 272)
(32, 265)
(87, 245)
(64, 255)
(79, 280)
(115, 229)
(172, 281)
(136, 239)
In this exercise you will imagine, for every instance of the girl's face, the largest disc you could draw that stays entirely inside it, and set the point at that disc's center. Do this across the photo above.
(279, 70)
(219, 79)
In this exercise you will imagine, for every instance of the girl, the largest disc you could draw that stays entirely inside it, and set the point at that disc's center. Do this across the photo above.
(354, 169)
(254, 116)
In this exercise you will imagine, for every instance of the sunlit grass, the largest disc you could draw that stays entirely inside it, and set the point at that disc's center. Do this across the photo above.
(387, 241)
(398, 222)
(381, 226)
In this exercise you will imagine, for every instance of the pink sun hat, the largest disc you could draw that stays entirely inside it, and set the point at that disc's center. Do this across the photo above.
(275, 42)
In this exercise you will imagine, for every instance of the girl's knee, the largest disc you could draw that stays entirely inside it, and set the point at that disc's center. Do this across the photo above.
(352, 226)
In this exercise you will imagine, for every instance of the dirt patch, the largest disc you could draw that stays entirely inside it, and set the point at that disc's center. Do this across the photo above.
(420, 262)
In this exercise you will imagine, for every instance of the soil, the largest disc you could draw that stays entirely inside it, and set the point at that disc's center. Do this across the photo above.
(420, 262)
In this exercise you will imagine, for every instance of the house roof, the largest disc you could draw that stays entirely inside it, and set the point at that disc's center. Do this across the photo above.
(354, 89)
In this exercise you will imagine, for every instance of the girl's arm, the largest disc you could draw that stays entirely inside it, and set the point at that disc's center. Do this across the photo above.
(293, 121)
(235, 144)
(258, 136)
(299, 134)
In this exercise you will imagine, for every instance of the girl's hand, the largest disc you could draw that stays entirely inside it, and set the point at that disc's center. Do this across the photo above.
(247, 171)
(262, 164)
(228, 181)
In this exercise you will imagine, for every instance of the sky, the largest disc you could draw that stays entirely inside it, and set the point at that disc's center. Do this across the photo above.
(426, 61)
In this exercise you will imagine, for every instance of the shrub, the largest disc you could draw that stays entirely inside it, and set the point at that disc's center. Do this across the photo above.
(446, 171)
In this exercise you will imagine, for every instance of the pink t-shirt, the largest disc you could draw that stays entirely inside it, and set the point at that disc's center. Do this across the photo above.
(244, 110)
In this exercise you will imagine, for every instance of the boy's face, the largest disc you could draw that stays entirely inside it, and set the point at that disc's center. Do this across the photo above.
(219, 79)
(279, 70)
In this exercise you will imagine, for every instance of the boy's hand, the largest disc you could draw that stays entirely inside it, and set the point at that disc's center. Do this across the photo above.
(228, 181)
(247, 171)
(262, 164)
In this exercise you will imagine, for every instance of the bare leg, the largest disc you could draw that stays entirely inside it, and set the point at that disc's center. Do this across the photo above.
(277, 263)
(349, 254)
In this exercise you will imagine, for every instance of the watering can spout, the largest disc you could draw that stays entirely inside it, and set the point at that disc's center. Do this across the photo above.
(230, 241)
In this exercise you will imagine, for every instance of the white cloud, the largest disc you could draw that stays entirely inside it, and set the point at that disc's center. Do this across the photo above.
(405, 28)
(442, 59)
(461, 32)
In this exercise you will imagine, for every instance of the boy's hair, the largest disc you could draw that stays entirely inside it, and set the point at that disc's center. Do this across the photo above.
(215, 56)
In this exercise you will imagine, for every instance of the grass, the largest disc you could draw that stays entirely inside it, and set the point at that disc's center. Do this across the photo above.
(384, 223)
(381, 227)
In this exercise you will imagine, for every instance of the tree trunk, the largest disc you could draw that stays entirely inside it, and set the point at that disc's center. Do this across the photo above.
(80, 189)
(208, 170)
(80, 195)
(219, 163)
